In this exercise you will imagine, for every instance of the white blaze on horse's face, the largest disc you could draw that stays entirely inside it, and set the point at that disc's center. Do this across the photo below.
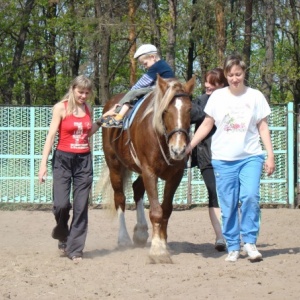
(178, 105)
(177, 142)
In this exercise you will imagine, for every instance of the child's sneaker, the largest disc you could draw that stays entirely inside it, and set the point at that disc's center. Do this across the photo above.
(111, 122)
(233, 256)
(252, 252)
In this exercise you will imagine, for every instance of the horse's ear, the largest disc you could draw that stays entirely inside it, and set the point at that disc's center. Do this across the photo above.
(162, 84)
(189, 86)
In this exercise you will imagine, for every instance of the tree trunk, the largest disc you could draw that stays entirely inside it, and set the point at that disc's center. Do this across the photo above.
(232, 22)
(296, 38)
(95, 57)
(74, 58)
(267, 77)
(248, 35)
(103, 12)
(96, 64)
(51, 49)
(154, 20)
(170, 57)
(104, 67)
(132, 38)
(220, 26)
(18, 51)
(191, 48)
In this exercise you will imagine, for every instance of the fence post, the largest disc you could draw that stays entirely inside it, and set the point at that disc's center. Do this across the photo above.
(291, 178)
(189, 183)
(297, 157)
(189, 171)
(32, 156)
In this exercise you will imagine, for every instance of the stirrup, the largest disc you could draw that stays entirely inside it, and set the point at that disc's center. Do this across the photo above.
(111, 122)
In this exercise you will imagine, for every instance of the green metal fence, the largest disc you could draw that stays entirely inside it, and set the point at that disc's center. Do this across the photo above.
(22, 135)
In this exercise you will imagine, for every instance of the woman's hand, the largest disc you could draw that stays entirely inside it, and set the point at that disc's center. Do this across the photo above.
(269, 165)
(188, 149)
(42, 174)
(111, 112)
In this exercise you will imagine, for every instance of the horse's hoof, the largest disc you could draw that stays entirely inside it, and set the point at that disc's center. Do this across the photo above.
(125, 246)
(139, 244)
(140, 235)
(159, 259)
(124, 241)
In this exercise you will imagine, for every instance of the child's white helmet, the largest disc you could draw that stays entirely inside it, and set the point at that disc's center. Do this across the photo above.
(145, 49)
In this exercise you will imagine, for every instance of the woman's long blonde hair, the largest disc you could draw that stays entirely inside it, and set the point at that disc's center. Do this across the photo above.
(82, 82)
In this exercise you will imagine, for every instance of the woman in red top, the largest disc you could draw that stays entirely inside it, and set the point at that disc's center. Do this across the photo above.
(72, 163)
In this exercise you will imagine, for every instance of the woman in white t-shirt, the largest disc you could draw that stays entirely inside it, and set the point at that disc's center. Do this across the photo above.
(240, 115)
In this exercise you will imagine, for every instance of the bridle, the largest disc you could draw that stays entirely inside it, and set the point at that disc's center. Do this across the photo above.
(177, 130)
(166, 135)
(170, 134)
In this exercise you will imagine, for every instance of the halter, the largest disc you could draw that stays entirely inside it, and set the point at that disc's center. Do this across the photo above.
(176, 130)
(166, 135)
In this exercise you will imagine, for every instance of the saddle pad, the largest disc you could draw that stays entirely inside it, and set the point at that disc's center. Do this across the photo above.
(129, 119)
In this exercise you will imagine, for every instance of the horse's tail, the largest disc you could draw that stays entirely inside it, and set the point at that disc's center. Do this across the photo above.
(104, 188)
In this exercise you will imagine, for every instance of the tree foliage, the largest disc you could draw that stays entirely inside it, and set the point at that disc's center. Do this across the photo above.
(45, 43)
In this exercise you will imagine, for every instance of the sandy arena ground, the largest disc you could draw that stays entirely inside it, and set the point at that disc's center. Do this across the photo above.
(31, 267)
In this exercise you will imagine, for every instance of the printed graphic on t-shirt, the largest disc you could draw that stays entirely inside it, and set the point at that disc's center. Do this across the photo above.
(237, 118)
(80, 138)
(232, 125)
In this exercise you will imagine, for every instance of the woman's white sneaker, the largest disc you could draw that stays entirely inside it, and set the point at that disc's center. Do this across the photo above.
(252, 252)
(232, 256)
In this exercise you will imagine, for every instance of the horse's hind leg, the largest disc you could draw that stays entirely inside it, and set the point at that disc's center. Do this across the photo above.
(140, 234)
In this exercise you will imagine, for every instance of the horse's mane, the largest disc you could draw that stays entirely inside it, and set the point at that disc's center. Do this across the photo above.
(160, 102)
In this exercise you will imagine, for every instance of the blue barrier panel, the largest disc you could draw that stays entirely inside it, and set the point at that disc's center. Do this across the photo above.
(23, 132)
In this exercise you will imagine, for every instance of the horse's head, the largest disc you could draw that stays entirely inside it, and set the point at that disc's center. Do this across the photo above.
(172, 106)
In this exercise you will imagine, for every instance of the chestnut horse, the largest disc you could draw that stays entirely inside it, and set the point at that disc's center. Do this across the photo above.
(153, 147)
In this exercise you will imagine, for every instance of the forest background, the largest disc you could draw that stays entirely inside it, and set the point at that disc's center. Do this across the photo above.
(46, 43)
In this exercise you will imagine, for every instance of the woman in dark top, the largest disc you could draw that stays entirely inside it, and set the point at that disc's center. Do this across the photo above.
(214, 79)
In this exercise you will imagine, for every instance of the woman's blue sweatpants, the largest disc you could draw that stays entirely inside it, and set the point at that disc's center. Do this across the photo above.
(239, 181)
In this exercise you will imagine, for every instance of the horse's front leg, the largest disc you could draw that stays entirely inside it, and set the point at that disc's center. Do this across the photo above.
(116, 178)
(158, 251)
(171, 185)
(140, 234)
